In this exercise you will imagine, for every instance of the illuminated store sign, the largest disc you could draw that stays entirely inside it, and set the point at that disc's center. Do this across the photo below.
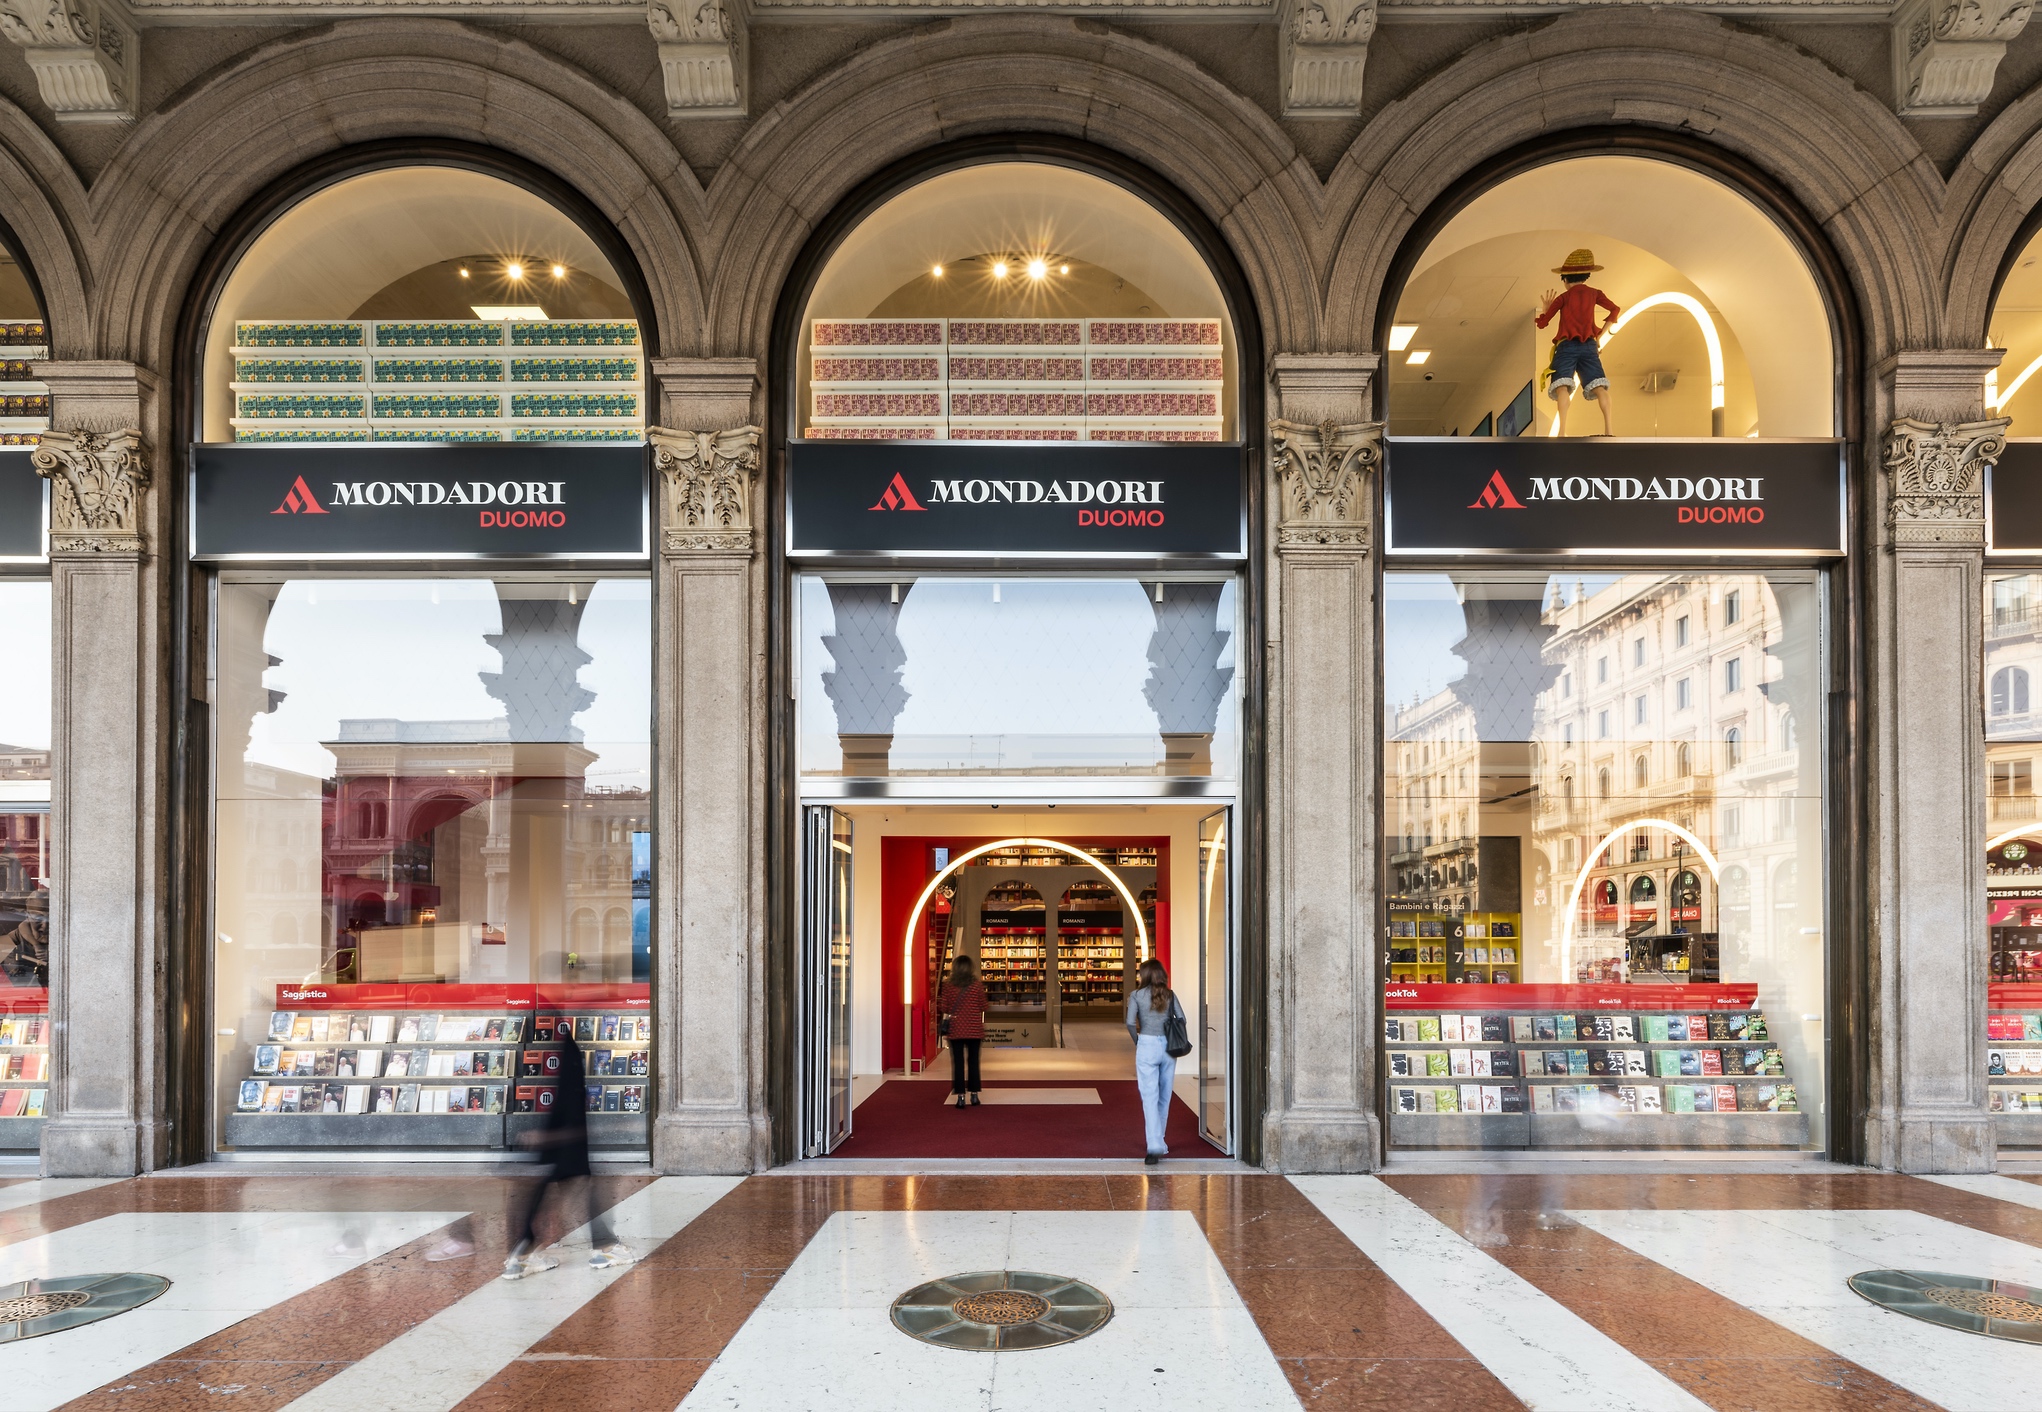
(2013, 500)
(419, 502)
(1089, 500)
(24, 522)
(1553, 496)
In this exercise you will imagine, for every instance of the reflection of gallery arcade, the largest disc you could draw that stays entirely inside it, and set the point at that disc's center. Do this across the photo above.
(1028, 768)
(1605, 779)
(432, 813)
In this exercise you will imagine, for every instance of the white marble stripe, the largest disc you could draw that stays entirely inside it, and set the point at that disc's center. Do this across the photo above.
(1999, 1188)
(1546, 1354)
(13, 1198)
(1180, 1337)
(1792, 1266)
(223, 1265)
(437, 1363)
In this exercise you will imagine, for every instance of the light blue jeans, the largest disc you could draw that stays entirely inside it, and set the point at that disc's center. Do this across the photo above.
(1156, 1074)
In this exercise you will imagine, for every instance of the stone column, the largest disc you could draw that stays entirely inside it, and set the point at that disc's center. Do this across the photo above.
(709, 941)
(108, 1047)
(1927, 953)
(1324, 991)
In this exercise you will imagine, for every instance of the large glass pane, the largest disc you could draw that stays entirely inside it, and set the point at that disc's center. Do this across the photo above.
(1216, 977)
(1604, 818)
(1022, 676)
(2013, 855)
(24, 861)
(432, 845)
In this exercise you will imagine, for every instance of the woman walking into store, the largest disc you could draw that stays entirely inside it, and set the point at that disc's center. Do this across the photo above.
(1149, 1012)
(961, 1009)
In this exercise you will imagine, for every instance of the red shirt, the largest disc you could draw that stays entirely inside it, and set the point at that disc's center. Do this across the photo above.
(966, 1009)
(1576, 306)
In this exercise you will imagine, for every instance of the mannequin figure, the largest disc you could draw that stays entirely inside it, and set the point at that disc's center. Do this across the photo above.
(1577, 353)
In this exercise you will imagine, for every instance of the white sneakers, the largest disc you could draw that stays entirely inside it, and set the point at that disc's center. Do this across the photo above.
(534, 1262)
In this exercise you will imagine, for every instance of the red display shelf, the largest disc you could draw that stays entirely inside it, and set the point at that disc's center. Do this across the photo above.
(2013, 995)
(25, 1000)
(320, 996)
(1739, 996)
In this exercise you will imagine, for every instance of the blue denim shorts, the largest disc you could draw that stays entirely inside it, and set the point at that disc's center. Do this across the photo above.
(1572, 356)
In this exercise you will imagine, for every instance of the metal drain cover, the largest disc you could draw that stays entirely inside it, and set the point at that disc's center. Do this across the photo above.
(1001, 1309)
(37, 1307)
(1995, 1308)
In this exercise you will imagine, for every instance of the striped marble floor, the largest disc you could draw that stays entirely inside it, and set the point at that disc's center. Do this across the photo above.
(1719, 1290)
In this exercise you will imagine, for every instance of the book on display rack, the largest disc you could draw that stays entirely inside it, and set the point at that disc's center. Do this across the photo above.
(2013, 1061)
(398, 1065)
(1567, 1066)
(24, 1065)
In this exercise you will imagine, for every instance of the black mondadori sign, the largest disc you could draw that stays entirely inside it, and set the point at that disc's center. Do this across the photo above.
(419, 502)
(1083, 500)
(2013, 500)
(1532, 495)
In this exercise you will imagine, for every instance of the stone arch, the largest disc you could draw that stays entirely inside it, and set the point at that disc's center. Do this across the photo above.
(46, 209)
(1009, 75)
(1995, 201)
(222, 144)
(1846, 160)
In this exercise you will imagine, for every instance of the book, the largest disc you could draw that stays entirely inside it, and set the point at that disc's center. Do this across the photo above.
(1648, 1099)
(493, 1029)
(1690, 1062)
(1704, 1098)
(251, 1095)
(584, 1029)
(1680, 1098)
(1545, 1027)
(1712, 1060)
(1584, 1027)
(1478, 1063)
(496, 1098)
(1785, 1100)
(457, 1099)
(1437, 1064)
(1555, 1060)
(1719, 1027)
(385, 1099)
(1627, 1098)
(1407, 1100)
(1655, 1029)
(322, 1028)
(301, 1027)
(336, 1097)
(599, 1061)
(1996, 1103)
(1732, 1060)
(608, 1031)
(1666, 1063)
(524, 1099)
(287, 1099)
(399, 1064)
(1624, 1029)
(1736, 1024)
(1697, 1028)
(280, 1024)
(2031, 1026)
(326, 1062)
(514, 1029)
(272, 1098)
(1754, 1026)
(381, 1028)
(1563, 1027)
(477, 1028)
(641, 1064)
(358, 1029)
(1598, 1062)
(266, 1058)
(1522, 1028)
(1726, 1098)
(1634, 1063)
(34, 1107)
(1676, 1029)
(1461, 1064)
(1502, 1062)
(357, 1099)
(344, 1063)
(1605, 1027)
(1495, 1029)
(1566, 1098)
(595, 1098)
(1577, 1061)
(1446, 1100)
(407, 1029)
(613, 1099)
(407, 1098)
(1772, 1063)
(1542, 1098)
(428, 1028)
(1450, 1029)
(1491, 1098)
(545, 1095)
(462, 1065)
(1510, 1098)
(1428, 1028)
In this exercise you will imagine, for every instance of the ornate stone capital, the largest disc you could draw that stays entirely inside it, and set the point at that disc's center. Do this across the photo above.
(1937, 495)
(709, 478)
(84, 55)
(1947, 52)
(96, 481)
(701, 56)
(1322, 53)
(1324, 471)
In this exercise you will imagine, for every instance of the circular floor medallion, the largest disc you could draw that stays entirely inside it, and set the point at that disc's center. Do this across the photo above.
(990, 1310)
(1971, 1303)
(33, 1308)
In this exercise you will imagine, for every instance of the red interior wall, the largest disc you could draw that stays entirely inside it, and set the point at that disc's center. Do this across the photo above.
(905, 868)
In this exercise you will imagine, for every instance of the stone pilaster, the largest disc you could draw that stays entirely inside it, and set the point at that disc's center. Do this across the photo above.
(1324, 991)
(709, 945)
(108, 1044)
(1926, 955)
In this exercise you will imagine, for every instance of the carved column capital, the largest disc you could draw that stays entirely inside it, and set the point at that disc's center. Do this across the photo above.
(709, 477)
(701, 56)
(1324, 471)
(1322, 53)
(84, 55)
(1937, 494)
(96, 481)
(1947, 52)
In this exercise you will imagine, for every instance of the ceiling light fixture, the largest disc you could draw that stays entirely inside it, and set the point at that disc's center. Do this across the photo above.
(1037, 269)
(937, 272)
(1401, 336)
(514, 270)
(560, 272)
(1062, 270)
(1419, 355)
(999, 269)
(464, 272)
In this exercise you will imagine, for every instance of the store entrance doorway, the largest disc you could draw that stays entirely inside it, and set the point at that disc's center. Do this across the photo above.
(1057, 907)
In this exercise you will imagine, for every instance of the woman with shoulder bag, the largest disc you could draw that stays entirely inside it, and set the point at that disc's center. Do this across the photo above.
(961, 1015)
(1156, 1021)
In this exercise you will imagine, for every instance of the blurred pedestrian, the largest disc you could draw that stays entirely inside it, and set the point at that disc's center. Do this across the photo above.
(961, 1015)
(1150, 1008)
(562, 1145)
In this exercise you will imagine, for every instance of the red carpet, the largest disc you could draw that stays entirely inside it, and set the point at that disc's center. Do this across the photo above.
(907, 1118)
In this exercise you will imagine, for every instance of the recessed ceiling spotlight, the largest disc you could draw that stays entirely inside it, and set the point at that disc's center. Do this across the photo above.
(560, 272)
(999, 269)
(514, 270)
(464, 272)
(937, 272)
(1418, 355)
(1037, 269)
(1401, 336)
(1062, 270)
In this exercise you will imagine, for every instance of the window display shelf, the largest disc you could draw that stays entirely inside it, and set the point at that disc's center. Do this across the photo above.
(440, 1065)
(1554, 1066)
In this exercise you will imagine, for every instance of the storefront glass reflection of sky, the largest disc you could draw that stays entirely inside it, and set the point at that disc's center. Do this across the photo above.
(25, 700)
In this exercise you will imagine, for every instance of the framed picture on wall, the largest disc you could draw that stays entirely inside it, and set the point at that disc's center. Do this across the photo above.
(1485, 427)
(1516, 419)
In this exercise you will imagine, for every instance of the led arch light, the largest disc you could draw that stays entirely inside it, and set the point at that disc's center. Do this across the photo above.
(2011, 834)
(1996, 400)
(1581, 879)
(907, 950)
(1710, 338)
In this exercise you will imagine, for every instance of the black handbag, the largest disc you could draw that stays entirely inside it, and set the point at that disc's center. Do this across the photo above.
(1176, 1036)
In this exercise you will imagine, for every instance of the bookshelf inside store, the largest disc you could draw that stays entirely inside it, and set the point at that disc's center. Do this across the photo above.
(25, 1053)
(441, 1066)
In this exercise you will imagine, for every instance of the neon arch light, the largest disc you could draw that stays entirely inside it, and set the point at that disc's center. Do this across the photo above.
(1996, 399)
(1710, 338)
(907, 950)
(1581, 880)
(2031, 827)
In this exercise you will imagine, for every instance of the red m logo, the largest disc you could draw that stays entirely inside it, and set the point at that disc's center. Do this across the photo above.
(299, 500)
(897, 496)
(1496, 495)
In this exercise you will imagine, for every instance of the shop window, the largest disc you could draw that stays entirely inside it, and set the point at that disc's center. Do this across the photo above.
(1723, 330)
(424, 304)
(1477, 650)
(420, 868)
(938, 676)
(26, 871)
(1016, 302)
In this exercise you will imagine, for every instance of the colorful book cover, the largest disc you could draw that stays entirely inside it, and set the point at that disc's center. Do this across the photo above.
(326, 1063)
(1437, 1065)
(1577, 1061)
(1712, 1060)
(1754, 1027)
(1510, 1098)
(1495, 1029)
(1635, 1063)
(1680, 1098)
(1460, 1062)
(358, 1029)
(1726, 1098)
(322, 1028)
(1446, 1100)
(1649, 1099)
(1428, 1028)
(1400, 1064)
(1655, 1029)
(496, 1098)
(1542, 1098)
(1623, 1028)
(457, 1099)
(1666, 1063)
(280, 1022)
(1676, 1029)
(1719, 1027)
(1407, 1100)
(1697, 1028)
(1563, 1027)
(266, 1058)
(1690, 1062)
(1751, 1098)
(301, 1027)
(1785, 1100)
(634, 1098)
(514, 1029)
(1733, 1060)
(1546, 1027)
(1705, 1098)
(34, 1107)
(608, 1031)
(1566, 1098)
(1774, 1064)
(407, 1029)
(2031, 1027)
(385, 1099)
(641, 1064)
(1598, 1061)
(1555, 1060)
(1478, 1063)
(251, 1095)
(1523, 1029)
(1491, 1098)
(1502, 1063)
